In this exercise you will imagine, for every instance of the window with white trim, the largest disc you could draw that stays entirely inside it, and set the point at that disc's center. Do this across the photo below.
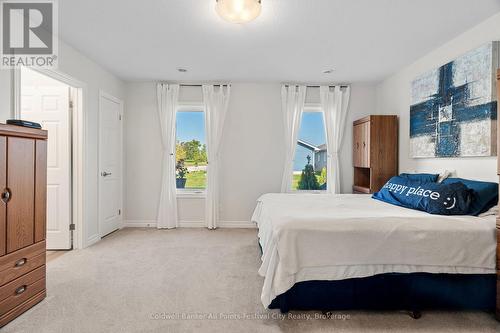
(191, 152)
(309, 169)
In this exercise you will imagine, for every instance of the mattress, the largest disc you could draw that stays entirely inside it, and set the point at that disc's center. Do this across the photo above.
(307, 237)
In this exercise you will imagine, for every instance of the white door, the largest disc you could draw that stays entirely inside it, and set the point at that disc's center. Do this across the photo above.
(47, 103)
(110, 163)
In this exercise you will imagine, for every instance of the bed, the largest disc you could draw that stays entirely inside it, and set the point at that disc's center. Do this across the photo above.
(349, 251)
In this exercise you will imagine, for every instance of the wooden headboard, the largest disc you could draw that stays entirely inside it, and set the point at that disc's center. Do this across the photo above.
(498, 217)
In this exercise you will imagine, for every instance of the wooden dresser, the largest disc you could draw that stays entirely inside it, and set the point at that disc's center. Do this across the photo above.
(497, 312)
(375, 152)
(23, 186)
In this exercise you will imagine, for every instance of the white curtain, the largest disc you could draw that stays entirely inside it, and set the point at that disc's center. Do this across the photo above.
(167, 95)
(216, 101)
(335, 102)
(292, 105)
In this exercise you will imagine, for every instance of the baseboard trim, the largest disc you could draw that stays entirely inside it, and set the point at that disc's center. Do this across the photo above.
(139, 224)
(92, 240)
(190, 224)
(237, 224)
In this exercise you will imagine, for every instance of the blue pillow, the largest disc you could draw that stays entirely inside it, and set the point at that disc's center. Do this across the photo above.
(421, 177)
(485, 194)
(433, 198)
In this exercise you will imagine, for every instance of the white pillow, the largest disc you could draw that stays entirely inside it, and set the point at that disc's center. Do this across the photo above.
(446, 174)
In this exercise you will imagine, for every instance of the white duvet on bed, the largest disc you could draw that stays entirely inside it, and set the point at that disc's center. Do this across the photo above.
(333, 237)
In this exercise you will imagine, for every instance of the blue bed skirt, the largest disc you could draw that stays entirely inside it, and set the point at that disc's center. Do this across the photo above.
(393, 291)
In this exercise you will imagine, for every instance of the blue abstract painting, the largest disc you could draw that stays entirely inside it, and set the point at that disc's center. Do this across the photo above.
(453, 108)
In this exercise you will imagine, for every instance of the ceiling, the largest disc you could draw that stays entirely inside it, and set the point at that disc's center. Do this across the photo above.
(292, 41)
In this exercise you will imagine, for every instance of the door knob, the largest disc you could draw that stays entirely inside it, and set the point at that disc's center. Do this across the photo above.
(105, 174)
(6, 195)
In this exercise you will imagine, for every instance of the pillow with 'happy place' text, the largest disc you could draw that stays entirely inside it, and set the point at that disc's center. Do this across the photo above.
(433, 198)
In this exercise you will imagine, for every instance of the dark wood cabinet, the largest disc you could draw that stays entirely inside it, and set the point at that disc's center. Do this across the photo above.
(375, 152)
(3, 185)
(362, 145)
(23, 187)
(40, 190)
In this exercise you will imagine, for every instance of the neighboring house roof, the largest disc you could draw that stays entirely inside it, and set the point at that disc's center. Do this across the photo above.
(322, 147)
(308, 145)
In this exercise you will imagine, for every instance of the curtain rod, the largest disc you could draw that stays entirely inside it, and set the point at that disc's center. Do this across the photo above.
(200, 85)
(341, 86)
(227, 84)
(195, 84)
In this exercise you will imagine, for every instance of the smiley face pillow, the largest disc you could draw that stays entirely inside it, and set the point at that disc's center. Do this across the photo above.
(433, 198)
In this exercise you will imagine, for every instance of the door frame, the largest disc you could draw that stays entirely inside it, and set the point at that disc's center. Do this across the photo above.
(78, 145)
(104, 94)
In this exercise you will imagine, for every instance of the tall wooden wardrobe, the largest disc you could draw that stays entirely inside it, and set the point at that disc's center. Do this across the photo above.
(23, 186)
(375, 152)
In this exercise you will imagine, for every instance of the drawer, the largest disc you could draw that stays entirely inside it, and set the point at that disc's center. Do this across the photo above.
(21, 289)
(21, 308)
(18, 263)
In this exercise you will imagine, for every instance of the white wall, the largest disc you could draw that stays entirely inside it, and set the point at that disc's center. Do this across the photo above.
(252, 150)
(142, 144)
(76, 65)
(393, 96)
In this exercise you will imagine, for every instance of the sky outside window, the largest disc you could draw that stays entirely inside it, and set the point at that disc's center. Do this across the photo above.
(190, 126)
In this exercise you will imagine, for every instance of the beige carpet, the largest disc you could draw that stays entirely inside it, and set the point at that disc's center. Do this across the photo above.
(136, 278)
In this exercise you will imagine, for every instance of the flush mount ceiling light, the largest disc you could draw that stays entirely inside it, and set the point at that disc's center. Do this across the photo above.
(238, 11)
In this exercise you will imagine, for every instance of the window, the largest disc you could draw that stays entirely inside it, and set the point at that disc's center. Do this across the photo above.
(191, 152)
(309, 169)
